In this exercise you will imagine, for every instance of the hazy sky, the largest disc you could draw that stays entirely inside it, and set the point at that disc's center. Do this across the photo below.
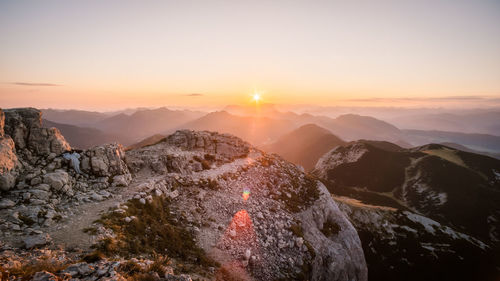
(113, 54)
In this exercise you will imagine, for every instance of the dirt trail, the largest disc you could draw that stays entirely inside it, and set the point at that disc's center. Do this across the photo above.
(69, 233)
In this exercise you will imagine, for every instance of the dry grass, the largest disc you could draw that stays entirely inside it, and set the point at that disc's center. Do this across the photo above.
(153, 231)
(27, 268)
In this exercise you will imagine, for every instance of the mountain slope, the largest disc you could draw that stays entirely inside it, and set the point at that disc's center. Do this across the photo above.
(433, 204)
(145, 123)
(74, 117)
(83, 138)
(451, 186)
(482, 142)
(305, 145)
(256, 130)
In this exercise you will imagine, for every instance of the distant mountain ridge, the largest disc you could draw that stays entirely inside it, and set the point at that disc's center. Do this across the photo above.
(304, 145)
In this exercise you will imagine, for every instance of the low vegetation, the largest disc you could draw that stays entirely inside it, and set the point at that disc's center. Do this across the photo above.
(153, 230)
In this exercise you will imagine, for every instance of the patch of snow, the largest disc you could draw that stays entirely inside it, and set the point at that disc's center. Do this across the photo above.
(340, 155)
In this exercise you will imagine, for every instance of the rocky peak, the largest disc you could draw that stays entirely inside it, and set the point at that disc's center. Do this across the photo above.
(24, 126)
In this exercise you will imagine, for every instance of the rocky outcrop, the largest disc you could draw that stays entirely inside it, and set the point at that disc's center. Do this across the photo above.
(222, 145)
(338, 252)
(289, 227)
(8, 158)
(41, 181)
(24, 125)
(187, 152)
(106, 161)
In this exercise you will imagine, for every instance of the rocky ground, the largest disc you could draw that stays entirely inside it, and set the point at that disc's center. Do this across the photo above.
(195, 205)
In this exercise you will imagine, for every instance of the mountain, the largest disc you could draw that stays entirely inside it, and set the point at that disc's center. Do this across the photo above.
(415, 192)
(483, 142)
(74, 117)
(305, 145)
(402, 245)
(256, 130)
(154, 139)
(466, 149)
(83, 138)
(434, 180)
(485, 122)
(354, 127)
(147, 122)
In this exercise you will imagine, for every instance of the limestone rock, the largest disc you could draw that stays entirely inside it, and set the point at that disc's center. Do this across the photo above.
(24, 126)
(44, 276)
(341, 252)
(56, 180)
(36, 241)
(104, 160)
(6, 203)
(8, 163)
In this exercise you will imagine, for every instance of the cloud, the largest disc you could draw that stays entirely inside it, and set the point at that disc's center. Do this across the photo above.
(35, 84)
(423, 99)
(194, 95)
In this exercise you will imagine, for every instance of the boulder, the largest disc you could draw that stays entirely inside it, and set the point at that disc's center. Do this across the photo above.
(6, 203)
(104, 160)
(44, 276)
(36, 241)
(56, 180)
(122, 180)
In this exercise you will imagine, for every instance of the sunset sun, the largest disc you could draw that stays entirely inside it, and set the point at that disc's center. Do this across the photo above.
(256, 97)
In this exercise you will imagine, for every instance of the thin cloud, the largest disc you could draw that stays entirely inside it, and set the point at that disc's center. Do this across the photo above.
(194, 95)
(35, 84)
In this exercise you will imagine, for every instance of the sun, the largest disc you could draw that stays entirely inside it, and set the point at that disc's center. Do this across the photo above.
(256, 97)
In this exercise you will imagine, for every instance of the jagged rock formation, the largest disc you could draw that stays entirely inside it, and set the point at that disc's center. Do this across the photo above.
(39, 184)
(439, 205)
(251, 212)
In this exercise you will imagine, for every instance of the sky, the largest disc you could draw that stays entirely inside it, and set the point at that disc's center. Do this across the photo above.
(103, 54)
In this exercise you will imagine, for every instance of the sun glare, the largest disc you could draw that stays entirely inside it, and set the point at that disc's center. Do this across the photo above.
(256, 97)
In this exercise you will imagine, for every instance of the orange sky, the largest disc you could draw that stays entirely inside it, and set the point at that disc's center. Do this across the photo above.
(114, 54)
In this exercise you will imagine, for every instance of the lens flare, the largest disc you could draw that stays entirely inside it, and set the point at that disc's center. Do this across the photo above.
(246, 194)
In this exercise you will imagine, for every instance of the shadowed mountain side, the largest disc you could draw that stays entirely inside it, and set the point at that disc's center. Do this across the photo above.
(154, 139)
(83, 138)
(454, 187)
(305, 145)
(145, 123)
(74, 117)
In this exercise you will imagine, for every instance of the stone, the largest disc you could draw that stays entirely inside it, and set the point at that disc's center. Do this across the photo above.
(122, 180)
(56, 179)
(6, 203)
(36, 241)
(79, 269)
(44, 276)
(40, 194)
(142, 201)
